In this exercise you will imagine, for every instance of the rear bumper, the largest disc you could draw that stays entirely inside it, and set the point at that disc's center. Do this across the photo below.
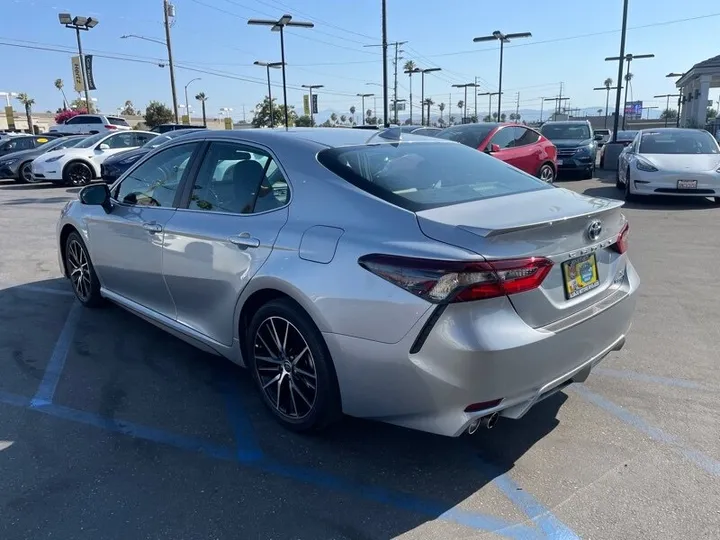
(475, 353)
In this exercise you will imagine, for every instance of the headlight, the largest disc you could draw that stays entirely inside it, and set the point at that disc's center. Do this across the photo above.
(8, 162)
(584, 150)
(644, 165)
(55, 158)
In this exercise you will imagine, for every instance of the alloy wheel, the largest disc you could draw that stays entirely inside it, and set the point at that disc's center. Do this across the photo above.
(79, 270)
(26, 173)
(547, 174)
(285, 368)
(79, 175)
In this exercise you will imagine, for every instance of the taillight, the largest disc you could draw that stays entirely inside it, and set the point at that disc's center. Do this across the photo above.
(621, 245)
(110, 126)
(439, 281)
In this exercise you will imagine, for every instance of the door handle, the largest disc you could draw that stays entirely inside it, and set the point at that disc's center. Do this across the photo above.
(152, 228)
(244, 240)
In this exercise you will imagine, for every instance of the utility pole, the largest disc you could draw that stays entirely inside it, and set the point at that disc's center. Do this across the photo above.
(560, 98)
(517, 105)
(169, 11)
(476, 95)
(385, 46)
(395, 85)
(542, 102)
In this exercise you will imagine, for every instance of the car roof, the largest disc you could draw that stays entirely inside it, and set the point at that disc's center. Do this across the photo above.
(586, 122)
(667, 130)
(328, 137)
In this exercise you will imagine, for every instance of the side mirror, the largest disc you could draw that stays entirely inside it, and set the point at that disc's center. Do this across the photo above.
(96, 195)
(492, 148)
(104, 147)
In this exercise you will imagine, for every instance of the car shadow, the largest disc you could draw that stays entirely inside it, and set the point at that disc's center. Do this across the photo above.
(402, 477)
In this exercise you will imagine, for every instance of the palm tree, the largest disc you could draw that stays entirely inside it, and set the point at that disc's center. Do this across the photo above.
(512, 116)
(352, 114)
(442, 108)
(410, 68)
(28, 102)
(599, 111)
(59, 85)
(333, 118)
(428, 103)
(343, 118)
(461, 105)
(628, 82)
(202, 98)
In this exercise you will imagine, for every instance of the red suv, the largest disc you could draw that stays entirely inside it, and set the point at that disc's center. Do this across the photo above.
(515, 144)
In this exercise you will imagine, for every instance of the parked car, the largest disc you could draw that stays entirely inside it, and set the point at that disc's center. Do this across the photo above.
(79, 165)
(421, 130)
(18, 165)
(23, 142)
(406, 279)
(602, 136)
(624, 137)
(164, 128)
(91, 124)
(113, 167)
(515, 144)
(670, 161)
(576, 147)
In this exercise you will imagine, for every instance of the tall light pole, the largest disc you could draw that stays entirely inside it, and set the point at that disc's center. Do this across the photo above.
(607, 98)
(77, 24)
(278, 26)
(410, 74)
(8, 96)
(680, 94)
(187, 103)
(310, 88)
(268, 66)
(465, 86)
(667, 104)
(422, 92)
(363, 96)
(648, 109)
(628, 58)
(490, 96)
(502, 38)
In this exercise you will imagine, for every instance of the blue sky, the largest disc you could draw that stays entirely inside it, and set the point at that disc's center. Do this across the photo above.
(212, 38)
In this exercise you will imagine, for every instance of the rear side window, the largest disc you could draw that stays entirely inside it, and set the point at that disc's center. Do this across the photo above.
(423, 175)
(92, 120)
(470, 134)
(525, 136)
(117, 121)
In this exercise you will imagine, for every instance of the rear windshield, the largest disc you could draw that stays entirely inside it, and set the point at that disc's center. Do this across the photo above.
(117, 121)
(423, 175)
(602, 132)
(556, 132)
(626, 135)
(678, 142)
(470, 134)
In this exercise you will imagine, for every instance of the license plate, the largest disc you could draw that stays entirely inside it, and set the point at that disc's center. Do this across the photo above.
(580, 275)
(687, 184)
(559, 161)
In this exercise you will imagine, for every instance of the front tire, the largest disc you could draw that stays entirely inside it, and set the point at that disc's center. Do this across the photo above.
(81, 272)
(589, 173)
(292, 367)
(25, 173)
(629, 195)
(547, 173)
(618, 183)
(77, 174)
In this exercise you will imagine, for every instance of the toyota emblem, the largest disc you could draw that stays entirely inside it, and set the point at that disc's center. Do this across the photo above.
(594, 230)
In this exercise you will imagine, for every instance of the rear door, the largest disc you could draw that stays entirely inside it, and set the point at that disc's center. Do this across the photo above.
(233, 211)
(529, 154)
(509, 152)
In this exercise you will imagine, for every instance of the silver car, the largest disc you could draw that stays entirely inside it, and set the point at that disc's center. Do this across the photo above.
(388, 276)
(670, 161)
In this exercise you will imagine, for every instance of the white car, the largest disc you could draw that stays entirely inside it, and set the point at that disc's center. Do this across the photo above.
(80, 164)
(91, 124)
(670, 161)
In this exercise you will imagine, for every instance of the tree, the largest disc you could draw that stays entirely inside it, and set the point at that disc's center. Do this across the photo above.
(512, 116)
(158, 113)
(262, 114)
(326, 123)
(128, 109)
(442, 108)
(628, 81)
(352, 114)
(343, 118)
(28, 102)
(59, 85)
(495, 117)
(334, 118)
(668, 114)
(63, 116)
(503, 117)
(202, 98)
(518, 117)
(607, 83)
(452, 119)
(304, 121)
(461, 104)
(80, 103)
(487, 118)
(599, 111)
(368, 114)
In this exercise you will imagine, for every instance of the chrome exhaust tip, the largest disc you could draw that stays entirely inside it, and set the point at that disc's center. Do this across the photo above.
(488, 422)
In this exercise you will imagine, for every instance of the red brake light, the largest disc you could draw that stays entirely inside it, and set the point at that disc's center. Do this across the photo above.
(440, 281)
(110, 126)
(621, 246)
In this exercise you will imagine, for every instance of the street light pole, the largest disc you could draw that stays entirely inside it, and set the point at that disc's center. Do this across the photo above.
(310, 87)
(279, 26)
(77, 24)
(187, 103)
(168, 11)
(667, 104)
(607, 98)
(502, 38)
(269, 65)
(465, 86)
(422, 93)
(680, 93)
(362, 97)
(628, 58)
(490, 95)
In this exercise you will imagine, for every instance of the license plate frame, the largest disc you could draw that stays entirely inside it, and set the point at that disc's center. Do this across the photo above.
(576, 280)
(686, 184)
(559, 161)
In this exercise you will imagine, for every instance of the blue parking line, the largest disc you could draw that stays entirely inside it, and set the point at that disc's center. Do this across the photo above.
(703, 461)
(643, 377)
(431, 509)
(46, 390)
(248, 447)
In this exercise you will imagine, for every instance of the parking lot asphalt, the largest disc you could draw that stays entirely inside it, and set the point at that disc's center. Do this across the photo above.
(112, 429)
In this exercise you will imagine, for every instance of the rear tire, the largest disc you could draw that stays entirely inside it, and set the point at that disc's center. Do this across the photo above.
(81, 272)
(292, 367)
(547, 173)
(77, 173)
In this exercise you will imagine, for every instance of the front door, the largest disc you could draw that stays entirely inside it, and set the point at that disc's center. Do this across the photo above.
(223, 235)
(127, 243)
(506, 138)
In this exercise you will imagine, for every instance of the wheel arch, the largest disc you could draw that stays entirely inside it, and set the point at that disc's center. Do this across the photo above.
(95, 172)
(20, 168)
(64, 233)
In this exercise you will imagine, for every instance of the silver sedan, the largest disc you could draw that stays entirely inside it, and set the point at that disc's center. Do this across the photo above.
(670, 161)
(382, 275)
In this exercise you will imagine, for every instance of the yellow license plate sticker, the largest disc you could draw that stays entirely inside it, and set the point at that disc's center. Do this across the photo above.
(580, 275)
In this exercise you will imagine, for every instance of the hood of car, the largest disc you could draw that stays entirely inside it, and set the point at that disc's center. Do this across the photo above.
(137, 153)
(684, 162)
(571, 143)
(20, 154)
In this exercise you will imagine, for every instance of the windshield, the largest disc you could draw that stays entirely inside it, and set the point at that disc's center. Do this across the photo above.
(90, 141)
(602, 132)
(566, 131)
(470, 134)
(626, 135)
(419, 175)
(60, 142)
(678, 142)
(157, 141)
